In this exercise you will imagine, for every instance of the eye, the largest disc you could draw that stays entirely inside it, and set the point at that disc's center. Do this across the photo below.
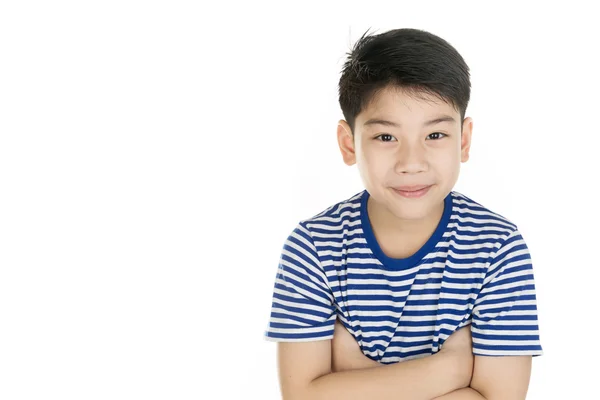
(385, 137)
(437, 135)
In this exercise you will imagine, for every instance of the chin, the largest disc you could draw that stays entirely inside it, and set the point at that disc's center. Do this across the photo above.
(412, 214)
(413, 208)
(407, 208)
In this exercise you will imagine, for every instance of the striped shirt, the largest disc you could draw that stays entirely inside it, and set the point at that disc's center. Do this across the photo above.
(475, 269)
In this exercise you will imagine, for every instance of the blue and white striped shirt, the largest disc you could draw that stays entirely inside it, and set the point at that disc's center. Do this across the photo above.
(475, 269)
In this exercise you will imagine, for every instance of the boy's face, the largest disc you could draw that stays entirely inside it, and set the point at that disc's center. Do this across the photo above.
(407, 151)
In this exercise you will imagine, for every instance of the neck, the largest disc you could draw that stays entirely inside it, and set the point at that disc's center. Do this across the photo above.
(387, 224)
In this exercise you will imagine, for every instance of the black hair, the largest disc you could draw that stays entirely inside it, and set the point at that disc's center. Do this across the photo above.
(410, 59)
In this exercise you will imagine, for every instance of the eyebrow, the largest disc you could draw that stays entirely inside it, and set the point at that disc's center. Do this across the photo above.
(378, 121)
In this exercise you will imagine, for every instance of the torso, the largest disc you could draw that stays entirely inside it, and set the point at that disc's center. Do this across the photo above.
(402, 309)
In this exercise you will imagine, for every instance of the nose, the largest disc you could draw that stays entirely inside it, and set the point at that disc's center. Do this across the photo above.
(411, 159)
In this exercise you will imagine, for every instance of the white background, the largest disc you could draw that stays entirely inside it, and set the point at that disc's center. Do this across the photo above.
(155, 155)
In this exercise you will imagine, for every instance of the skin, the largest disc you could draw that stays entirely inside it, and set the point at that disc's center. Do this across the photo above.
(409, 154)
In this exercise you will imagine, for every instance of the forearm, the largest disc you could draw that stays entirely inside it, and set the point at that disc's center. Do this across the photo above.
(422, 378)
(462, 394)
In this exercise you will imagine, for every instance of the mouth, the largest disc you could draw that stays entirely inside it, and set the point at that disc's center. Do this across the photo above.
(412, 192)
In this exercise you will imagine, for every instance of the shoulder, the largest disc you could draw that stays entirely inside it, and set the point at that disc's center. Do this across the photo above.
(474, 223)
(316, 236)
(336, 215)
(328, 224)
(468, 212)
(332, 227)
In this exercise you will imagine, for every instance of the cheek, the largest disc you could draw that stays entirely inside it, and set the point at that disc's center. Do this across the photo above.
(447, 157)
(447, 165)
(372, 165)
(377, 162)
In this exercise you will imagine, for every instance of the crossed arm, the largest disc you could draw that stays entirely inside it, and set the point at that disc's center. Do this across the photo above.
(496, 378)
(337, 369)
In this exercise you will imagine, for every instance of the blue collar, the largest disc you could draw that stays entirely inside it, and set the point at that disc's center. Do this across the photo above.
(403, 263)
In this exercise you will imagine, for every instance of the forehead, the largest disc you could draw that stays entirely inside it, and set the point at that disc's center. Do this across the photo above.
(402, 103)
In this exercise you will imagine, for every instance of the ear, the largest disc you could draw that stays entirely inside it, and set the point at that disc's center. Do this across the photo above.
(465, 139)
(346, 142)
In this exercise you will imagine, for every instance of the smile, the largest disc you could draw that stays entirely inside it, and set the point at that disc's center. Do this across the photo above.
(412, 193)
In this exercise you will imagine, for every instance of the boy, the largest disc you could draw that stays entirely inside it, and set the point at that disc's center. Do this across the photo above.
(371, 294)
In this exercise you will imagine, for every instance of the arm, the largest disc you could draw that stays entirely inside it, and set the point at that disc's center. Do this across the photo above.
(462, 394)
(502, 378)
(338, 369)
(305, 372)
(505, 330)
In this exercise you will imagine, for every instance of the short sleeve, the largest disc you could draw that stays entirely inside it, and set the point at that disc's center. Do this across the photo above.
(302, 307)
(505, 320)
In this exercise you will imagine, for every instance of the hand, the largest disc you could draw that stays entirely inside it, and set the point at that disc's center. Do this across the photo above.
(345, 351)
(459, 347)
